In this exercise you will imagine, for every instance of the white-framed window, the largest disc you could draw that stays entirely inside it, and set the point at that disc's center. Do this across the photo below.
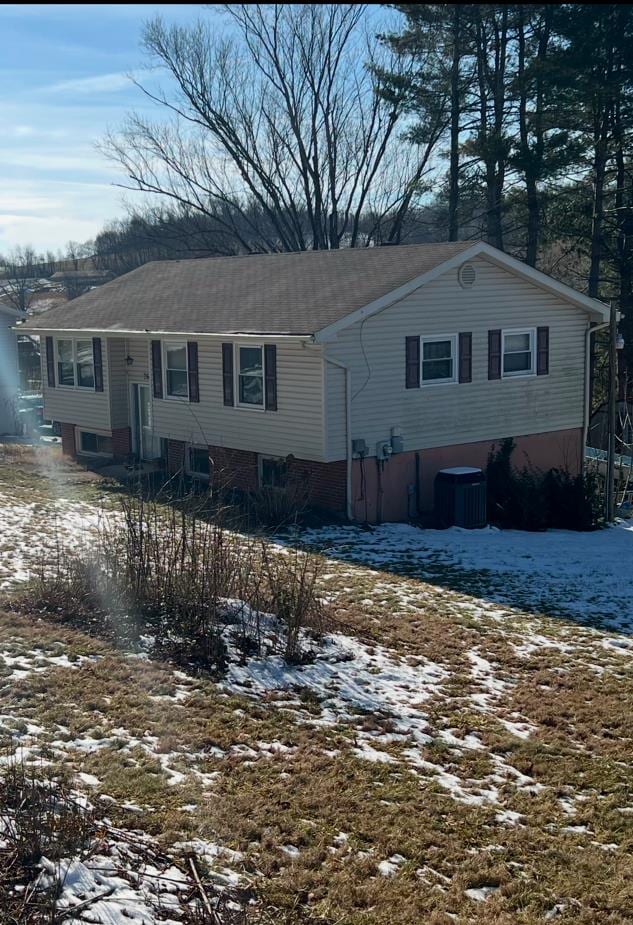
(198, 463)
(438, 359)
(65, 363)
(249, 374)
(518, 353)
(176, 370)
(75, 363)
(273, 472)
(94, 444)
(84, 364)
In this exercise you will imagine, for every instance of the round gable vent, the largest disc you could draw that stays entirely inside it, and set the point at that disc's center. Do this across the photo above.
(467, 275)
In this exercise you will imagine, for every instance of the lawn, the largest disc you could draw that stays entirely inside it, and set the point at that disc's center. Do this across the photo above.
(459, 750)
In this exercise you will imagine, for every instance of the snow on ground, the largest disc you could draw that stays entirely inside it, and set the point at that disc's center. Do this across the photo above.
(126, 878)
(349, 678)
(31, 531)
(586, 576)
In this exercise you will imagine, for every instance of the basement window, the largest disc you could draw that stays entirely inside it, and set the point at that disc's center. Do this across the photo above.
(273, 472)
(198, 463)
(95, 444)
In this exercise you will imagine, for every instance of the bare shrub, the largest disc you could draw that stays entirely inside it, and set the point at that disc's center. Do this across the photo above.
(39, 819)
(291, 580)
(170, 576)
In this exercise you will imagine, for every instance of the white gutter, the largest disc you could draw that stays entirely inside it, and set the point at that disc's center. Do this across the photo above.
(587, 404)
(120, 332)
(348, 432)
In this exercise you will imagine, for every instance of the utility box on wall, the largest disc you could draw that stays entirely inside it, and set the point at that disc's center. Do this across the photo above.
(460, 497)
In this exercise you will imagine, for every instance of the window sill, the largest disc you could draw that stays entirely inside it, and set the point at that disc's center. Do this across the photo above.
(75, 388)
(434, 383)
(241, 407)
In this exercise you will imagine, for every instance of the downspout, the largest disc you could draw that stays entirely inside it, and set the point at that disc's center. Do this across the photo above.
(587, 409)
(348, 432)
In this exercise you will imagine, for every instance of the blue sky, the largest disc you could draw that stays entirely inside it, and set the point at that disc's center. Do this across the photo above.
(63, 84)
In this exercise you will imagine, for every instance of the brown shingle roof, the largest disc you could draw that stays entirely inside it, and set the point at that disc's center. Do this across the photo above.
(298, 293)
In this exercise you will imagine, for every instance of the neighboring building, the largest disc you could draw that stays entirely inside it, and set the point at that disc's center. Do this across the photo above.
(76, 282)
(9, 390)
(359, 373)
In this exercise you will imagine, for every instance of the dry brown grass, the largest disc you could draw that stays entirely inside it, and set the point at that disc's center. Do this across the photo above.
(569, 848)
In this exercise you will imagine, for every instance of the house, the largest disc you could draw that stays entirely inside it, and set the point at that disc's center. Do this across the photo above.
(75, 282)
(8, 369)
(359, 373)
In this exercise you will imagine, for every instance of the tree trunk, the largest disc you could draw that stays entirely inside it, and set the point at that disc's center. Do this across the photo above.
(453, 191)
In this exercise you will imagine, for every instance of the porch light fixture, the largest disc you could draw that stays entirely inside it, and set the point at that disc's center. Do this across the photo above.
(619, 342)
(129, 360)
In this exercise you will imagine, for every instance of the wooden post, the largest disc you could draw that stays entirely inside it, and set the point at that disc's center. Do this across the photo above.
(613, 397)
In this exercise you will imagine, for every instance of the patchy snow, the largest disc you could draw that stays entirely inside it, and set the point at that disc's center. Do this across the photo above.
(349, 678)
(33, 532)
(389, 868)
(480, 893)
(127, 878)
(553, 572)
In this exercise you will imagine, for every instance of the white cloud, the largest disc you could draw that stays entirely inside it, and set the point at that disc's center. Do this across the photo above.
(102, 83)
(66, 211)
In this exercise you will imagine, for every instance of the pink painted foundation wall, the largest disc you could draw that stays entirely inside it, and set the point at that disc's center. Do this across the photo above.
(562, 449)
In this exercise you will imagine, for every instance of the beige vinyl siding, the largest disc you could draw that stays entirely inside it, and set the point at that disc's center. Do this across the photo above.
(296, 427)
(86, 408)
(335, 399)
(117, 367)
(441, 415)
(137, 348)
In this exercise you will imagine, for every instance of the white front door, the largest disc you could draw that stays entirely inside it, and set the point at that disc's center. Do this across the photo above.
(146, 445)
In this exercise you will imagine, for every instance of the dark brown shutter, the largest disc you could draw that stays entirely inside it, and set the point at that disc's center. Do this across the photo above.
(157, 369)
(192, 370)
(98, 363)
(494, 354)
(50, 362)
(227, 373)
(412, 362)
(466, 357)
(270, 373)
(542, 351)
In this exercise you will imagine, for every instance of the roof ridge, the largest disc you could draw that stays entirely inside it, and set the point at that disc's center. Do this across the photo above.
(324, 250)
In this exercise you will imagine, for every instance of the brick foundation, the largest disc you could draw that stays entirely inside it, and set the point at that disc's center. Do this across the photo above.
(389, 494)
(175, 456)
(234, 468)
(325, 483)
(68, 440)
(121, 443)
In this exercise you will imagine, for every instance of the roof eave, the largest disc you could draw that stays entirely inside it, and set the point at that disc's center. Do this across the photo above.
(120, 332)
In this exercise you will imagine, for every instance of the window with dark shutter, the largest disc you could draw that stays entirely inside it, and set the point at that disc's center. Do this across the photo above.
(494, 354)
(412, 367)
(50, 362)
(97, 358)
(227, 374)
(542, 351)
(192, 370)
(157, 369)
(466, 357)
(270, 373)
